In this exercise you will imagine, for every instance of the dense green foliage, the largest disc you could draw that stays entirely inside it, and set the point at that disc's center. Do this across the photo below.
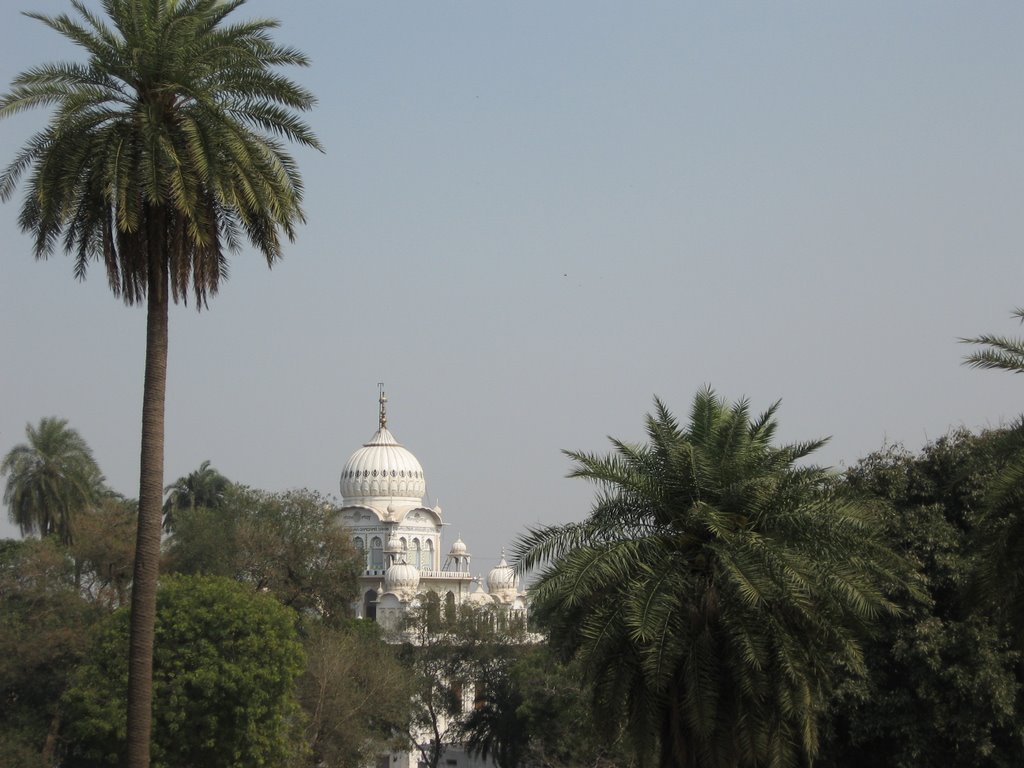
(530, 709)
(944, 682)
(258, 663)
(44, 625)
(1000, 576)
(51, 479)
(356, 695)
(225, 664)
(205, 487)
(352, 692)
(104, 550)
(717, 592)
(285, 543)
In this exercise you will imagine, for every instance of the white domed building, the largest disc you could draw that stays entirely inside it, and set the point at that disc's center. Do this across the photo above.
(382, 489)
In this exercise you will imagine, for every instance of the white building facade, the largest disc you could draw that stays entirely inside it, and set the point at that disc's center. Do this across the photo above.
(382, 490)
(406, 564)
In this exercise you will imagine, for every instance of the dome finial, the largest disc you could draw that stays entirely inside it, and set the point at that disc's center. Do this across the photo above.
(383, 405)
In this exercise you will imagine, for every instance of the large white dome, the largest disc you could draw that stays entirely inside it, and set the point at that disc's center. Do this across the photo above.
(383, 469)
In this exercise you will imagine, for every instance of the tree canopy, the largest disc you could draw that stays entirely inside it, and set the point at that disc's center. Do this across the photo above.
(204, 487)
(944, 681)
(355, 693)
(51, 479)
(717, 591)
(225, 665)
(285, 543)
(44, 633)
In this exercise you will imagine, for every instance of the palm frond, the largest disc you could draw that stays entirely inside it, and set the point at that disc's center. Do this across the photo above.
(716, 588)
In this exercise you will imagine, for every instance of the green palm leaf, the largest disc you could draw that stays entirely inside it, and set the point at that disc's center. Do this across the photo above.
(716, 591)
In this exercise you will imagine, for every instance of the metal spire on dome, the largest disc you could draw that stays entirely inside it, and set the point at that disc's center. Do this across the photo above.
(383, 406)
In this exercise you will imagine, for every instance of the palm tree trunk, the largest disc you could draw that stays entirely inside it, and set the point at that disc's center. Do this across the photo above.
(151, 483)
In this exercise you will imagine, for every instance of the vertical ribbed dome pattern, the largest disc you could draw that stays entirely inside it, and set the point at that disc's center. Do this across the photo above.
(383, 469)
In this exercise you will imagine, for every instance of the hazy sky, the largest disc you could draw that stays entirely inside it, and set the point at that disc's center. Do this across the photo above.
(532, 217)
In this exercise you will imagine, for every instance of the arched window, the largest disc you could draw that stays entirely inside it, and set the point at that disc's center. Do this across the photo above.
(416, 553)
(449, 608)
(369, 605)
(433, 604)
(430, 555)
(376, 553)
(360, 548)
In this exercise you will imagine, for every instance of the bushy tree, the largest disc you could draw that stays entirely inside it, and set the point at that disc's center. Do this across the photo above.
(718, 590)
(1000, 572)
(944, 681)
(446, 664)
(533, 710)
(104, 550)
(225, 665)
(44, 629)
(287, 544)
(355, 693)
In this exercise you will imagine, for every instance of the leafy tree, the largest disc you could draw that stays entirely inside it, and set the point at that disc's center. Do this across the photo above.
(495, 728)
(50, 479)
(43, 636)
(285, 543)
(717, 591)
(446, 666)
(555, 703)
(104, 550)
(225, 664)
(532, 710)
(355, 694)
(163, 152)
(204, 487)
(943, 684)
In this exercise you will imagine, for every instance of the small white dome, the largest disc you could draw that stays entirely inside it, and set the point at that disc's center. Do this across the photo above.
(394, 545)
(502, 577)
(401, 577)
(480, 598)
(382, 468)
(458, 547)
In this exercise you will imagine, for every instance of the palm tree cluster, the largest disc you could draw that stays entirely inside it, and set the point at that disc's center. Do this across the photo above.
(716, 590)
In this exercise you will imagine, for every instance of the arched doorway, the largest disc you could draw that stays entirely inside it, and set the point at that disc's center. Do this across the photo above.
(370, 605)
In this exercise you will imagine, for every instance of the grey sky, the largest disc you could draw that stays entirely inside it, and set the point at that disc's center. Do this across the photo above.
(534, 216)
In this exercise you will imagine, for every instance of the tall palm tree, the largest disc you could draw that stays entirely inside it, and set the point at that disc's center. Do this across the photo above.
(50, 479)
(204, 487)
(163, 153)
(716, 588)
